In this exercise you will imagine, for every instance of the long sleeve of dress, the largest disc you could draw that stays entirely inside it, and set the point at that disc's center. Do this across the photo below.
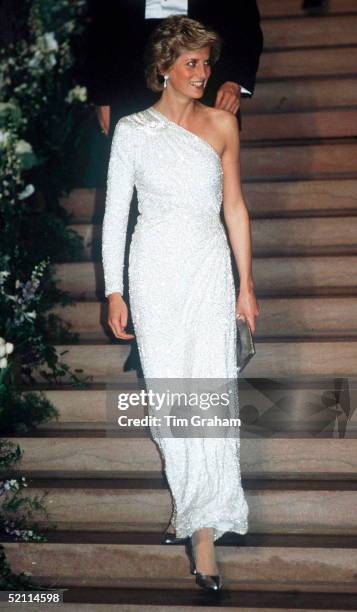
(120, 187)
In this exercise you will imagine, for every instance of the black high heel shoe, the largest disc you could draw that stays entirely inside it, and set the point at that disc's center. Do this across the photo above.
(170, 538)
(206, 581)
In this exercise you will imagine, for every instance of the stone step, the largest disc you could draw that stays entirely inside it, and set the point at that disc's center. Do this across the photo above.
(115, 599)
(86, 406)
(301, 198)
(294, 317)
(301, 32)
(294, 162)
(275, 408)
(300, 125)
(280, 457)
(307, 63)
(276, 421)
(157, 597)
(277, 8)
(276, 563)
(285, 406)
(278, 358)
(273, 276)
(99, 362)
(292, 198)
(300, 94)
(299, 507)
(84, 205)
(326, 236)
(271, 237)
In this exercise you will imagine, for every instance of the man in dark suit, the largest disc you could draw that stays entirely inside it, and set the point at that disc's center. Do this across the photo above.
(114, 65)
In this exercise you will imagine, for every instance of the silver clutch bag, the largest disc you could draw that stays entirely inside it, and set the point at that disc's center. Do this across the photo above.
(245, 344)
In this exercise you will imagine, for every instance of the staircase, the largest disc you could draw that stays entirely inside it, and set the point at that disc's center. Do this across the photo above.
(107, 496)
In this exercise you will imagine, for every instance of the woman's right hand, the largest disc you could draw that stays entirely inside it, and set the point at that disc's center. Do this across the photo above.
(118, 316)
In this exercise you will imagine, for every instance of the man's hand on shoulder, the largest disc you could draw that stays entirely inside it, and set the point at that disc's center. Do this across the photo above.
(228, 97)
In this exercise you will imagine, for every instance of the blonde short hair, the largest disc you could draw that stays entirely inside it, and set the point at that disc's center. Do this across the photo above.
(174, 35)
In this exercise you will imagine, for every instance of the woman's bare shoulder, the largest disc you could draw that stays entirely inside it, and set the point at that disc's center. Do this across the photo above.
(220, 119)
(223, 124)
(214, 113)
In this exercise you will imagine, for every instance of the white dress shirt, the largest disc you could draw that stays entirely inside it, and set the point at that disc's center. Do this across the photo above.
(164, 8)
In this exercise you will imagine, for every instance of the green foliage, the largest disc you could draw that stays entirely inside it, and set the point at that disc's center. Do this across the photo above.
(22, 412)
(10, 453)
(42, 110)
(43, 114)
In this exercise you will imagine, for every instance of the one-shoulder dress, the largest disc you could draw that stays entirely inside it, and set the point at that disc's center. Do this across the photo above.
(182, 297)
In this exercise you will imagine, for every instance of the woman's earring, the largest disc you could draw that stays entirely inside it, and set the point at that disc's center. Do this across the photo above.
(166, 76)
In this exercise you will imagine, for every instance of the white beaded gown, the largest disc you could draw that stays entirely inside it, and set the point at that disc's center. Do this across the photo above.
(182, 296)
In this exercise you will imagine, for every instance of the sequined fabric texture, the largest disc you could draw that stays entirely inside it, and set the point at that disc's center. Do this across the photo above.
(182, 296)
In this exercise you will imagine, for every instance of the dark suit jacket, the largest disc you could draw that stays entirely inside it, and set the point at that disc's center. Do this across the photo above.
(113, 67)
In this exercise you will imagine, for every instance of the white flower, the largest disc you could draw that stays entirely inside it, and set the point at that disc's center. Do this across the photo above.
(31, 315)
(35, 61)
(52, 60)
(3, 363)
(8, 109)
(4, 274)
(4, 138)
(77, 93)
(49, 42)
(23, 147)
(2, 342)
(9, 347)
(70, 26)
(29, 190)
(5, 105)
(11, 483)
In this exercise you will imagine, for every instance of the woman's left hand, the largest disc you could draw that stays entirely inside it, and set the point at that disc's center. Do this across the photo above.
(247, 307)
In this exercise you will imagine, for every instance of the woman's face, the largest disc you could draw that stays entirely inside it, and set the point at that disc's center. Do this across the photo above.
(190, 72)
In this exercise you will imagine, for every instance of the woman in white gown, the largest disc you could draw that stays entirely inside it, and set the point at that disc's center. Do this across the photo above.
(183, 159)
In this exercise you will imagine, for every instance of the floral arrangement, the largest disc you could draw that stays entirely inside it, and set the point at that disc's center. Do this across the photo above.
(13, 503)
(16, 521)
(42, 109)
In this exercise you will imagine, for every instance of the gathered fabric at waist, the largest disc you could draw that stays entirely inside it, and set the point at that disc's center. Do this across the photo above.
(179, 217)
(178, 234)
